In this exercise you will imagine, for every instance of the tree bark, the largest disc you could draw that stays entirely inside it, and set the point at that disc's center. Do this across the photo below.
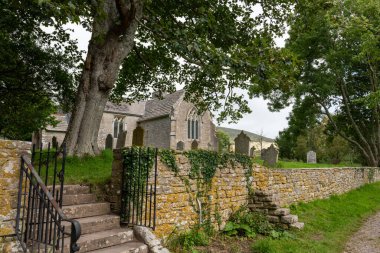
(112, 39)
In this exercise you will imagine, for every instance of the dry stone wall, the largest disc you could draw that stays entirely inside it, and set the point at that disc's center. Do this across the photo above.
(10, 152)
(179, 202)
(282, 187)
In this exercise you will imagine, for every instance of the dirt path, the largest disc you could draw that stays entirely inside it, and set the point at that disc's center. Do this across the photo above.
(367, 239)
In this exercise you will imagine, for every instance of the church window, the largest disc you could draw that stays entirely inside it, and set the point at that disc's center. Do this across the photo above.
(118, 127)
(193, 125)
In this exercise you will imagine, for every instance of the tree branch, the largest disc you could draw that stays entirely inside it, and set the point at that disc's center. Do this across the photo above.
(343, 89)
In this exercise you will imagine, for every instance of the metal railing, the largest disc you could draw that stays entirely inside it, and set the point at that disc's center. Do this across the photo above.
(41, 225)
(138, 187)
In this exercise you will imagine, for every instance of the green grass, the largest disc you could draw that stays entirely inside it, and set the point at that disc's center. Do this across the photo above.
(86, 170)
(328, 223)
(302, 165)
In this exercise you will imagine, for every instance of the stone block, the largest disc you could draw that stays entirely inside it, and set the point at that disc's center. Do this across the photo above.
(289, 219)
(281, 211)
(297, 225)
(273, 219)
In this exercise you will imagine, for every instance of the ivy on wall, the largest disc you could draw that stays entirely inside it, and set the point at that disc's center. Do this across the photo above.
(204, 165)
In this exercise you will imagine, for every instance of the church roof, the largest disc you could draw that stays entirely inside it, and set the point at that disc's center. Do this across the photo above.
(136, 108)
(233, 133)
(156, 108)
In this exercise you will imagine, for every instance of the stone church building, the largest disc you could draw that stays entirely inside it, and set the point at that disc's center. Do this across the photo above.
(170, 122)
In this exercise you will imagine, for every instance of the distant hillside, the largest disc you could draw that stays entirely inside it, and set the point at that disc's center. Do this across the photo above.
(235, 132)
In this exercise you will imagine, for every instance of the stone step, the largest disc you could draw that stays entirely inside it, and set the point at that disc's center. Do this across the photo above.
(103, 239)
(297, 225)
(77, 199)
(86, 210)
(289, 219)
(98, 223)
(129, 247)
(72, 189)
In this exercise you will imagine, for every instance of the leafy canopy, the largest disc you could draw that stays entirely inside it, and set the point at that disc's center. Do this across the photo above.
(337, 45)
(37, 68)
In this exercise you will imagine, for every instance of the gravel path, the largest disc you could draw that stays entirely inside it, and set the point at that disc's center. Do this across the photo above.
(367, 239)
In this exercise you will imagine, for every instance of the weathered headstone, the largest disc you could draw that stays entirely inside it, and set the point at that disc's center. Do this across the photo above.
(194, 145)
(252, 152)
(242, 144)
(121, 140)
(311, 157)
(109, 142)
(138, 137)
(54, 142)
(270, 156)
(180, 145)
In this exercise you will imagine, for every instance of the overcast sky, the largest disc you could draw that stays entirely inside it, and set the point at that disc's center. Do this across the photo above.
(261, 120)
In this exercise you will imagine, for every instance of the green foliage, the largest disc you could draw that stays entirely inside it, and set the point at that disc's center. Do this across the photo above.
(186, 241)
(340, 71)
(223, 141)
(246, 223)
(212, 47)
(328, 223)
(139, 161)
(168, 158)
(203, 164)
(38, 69)
(295, 143)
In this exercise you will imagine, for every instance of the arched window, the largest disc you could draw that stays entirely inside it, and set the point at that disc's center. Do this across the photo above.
(118, 127)
(193, 121)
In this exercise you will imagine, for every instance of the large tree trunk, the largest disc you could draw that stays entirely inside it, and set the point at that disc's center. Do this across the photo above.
(112, 40)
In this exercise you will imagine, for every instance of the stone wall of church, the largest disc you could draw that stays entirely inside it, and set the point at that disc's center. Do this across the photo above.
(106, 128)
(157, 132)
(206, 131)
(47, 137)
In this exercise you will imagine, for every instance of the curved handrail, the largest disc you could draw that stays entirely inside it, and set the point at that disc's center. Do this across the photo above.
(75, 225)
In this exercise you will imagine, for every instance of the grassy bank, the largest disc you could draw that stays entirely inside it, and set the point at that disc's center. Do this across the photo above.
(91, 170)
(84, 170)
(302, 165)
(329, 223)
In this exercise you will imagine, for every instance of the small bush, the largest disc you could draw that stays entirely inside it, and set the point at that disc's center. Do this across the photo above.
(246, 223)
(186, 241)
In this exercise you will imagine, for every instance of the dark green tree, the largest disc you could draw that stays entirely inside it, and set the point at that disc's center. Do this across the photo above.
(223, 141)
(211, 47)
(338, 46)
(37, 70)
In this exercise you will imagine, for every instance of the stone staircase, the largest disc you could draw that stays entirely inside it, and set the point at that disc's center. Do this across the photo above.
(101, 231)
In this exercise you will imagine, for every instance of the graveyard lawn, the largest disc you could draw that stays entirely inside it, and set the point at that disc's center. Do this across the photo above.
(89, 170)
(329, 223)
(301, 165)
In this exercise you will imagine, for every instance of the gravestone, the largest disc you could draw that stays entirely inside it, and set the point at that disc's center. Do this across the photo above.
(252, 152)
(180, 145)
(121, 140)
(242, 144)
(311, 157)
(138, 137)
(109, 141)
(54, 142)
(270, 156)
(194, 145)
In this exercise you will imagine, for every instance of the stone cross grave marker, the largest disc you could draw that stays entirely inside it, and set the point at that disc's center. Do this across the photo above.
(270, 156)
(242, 144)
(109, 141)
(311, 157)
